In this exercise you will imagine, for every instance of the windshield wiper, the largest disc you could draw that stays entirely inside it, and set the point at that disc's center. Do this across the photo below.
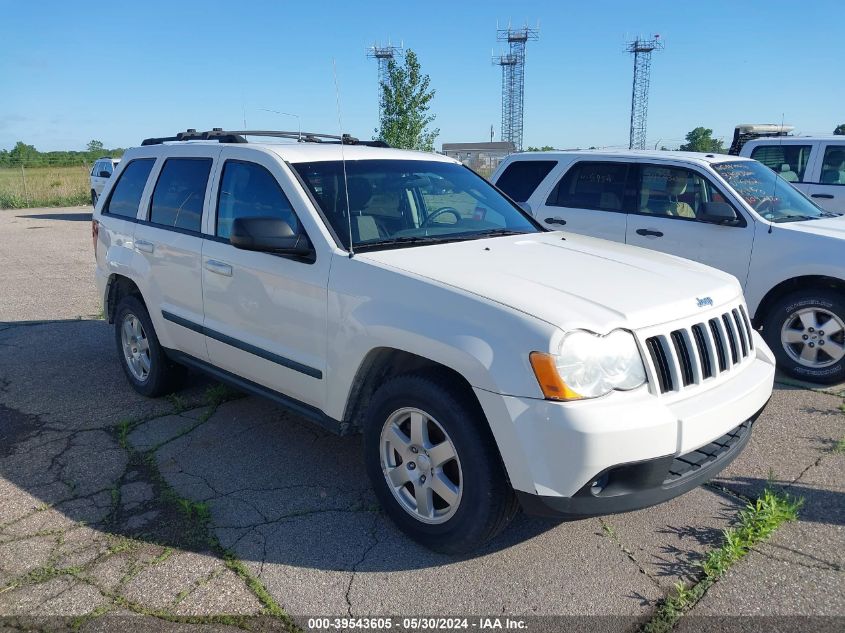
(407, 240)
(412, 240)
(494, 233)
(794, 218)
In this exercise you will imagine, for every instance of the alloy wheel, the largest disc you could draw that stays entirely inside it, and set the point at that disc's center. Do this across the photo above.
(421, 466)
(136, 347)
(814, 337)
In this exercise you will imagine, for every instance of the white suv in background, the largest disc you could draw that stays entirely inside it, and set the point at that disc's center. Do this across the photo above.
(815, 165)
(487, 361)
(728, 212)
(101, 171)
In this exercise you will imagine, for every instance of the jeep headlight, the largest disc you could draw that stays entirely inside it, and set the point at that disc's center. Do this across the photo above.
(588, 365)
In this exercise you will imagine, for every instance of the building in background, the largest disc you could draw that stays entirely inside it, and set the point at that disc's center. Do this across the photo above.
(481, 157)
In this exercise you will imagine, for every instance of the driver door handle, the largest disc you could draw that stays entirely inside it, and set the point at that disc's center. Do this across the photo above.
(559, 221)
(649, 233)
(827, 196)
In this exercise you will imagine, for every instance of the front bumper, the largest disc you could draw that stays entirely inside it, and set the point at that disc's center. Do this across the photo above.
(638, 485)
(556, 450)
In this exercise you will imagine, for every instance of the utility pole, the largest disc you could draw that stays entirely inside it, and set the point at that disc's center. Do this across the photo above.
(641, 49)
(383, 55)
(513, 80)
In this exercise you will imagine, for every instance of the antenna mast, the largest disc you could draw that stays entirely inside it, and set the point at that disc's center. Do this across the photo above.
(513, 80)
(641, 49)
(383, 55)
(343, 159)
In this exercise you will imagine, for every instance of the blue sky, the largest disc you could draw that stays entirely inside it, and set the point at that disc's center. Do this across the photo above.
(119, 72)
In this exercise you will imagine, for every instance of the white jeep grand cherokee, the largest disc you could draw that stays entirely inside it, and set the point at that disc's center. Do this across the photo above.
(488, 362)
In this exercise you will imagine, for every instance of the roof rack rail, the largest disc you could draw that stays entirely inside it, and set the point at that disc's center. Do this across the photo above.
(238, 136)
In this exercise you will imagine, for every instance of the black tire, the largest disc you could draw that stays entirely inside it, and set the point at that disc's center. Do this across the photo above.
(164, 376)
(786, 309)
(487, 503)
(94, 198)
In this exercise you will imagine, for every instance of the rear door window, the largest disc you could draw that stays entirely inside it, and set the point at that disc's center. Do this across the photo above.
(789, 161)
(588, 185)
(248, 190)
(126, 195)
(180, 192)
(522, 177)
(833, 166)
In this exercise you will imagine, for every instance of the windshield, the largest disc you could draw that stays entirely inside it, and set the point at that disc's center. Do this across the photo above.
(768, 194)
(407, 202)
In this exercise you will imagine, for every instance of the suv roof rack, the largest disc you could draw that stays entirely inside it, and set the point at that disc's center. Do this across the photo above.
(238, 136)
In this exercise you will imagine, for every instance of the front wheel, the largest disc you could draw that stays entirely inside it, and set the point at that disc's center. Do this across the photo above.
(806, 331)
(434, 465)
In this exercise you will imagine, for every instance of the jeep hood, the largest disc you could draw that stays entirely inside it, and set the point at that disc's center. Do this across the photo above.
(568, 280)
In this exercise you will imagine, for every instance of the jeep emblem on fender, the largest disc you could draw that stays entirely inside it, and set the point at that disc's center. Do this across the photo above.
(706, 301)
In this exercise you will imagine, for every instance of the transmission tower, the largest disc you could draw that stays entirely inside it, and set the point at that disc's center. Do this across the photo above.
(513, 80)
(383, 55)
(641, 49)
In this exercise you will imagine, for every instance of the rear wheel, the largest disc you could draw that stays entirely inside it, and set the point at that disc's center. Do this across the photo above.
(143, 359)
(434, 465)
(806, 331)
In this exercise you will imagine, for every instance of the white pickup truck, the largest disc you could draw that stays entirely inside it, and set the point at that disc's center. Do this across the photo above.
(725, 211)
(488, 362)
(814, 165)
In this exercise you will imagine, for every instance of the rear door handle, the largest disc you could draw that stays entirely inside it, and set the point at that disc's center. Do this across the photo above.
(826, 196)
(559, 221)
(218, 268)
(649, 233)
(144, 246)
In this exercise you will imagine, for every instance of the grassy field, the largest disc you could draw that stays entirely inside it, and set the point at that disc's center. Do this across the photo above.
(44, 187)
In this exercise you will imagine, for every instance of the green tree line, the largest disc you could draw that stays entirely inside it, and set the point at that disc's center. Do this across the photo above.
(28, 156)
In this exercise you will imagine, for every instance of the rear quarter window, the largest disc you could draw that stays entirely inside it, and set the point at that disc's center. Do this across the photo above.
(125, 198)
(522, 177)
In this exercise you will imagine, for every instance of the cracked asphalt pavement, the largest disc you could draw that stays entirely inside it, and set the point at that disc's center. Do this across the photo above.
(203, 509)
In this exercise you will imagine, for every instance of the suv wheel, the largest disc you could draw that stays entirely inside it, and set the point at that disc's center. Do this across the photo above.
(143, 359)
(94, 198)
(434, 465)
(806, 331)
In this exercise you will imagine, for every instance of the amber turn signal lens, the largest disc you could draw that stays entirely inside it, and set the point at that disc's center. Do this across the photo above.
(551, 384)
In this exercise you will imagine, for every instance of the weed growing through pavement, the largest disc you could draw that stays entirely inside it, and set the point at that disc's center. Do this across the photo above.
(756, 523)
(180, 404)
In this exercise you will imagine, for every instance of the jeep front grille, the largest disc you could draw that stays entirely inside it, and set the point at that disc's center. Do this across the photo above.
(690, 355)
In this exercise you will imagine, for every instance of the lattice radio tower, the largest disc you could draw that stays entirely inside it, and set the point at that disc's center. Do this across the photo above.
(383, 55)
(641, 49)
(513, 80)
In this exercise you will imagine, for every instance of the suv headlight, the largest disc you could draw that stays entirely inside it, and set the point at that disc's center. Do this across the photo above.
(589, 365)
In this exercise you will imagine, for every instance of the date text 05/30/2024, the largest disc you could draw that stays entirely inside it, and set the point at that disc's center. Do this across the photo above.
(416, 624)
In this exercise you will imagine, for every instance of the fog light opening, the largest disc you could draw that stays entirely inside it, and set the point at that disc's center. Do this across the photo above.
(599, 484)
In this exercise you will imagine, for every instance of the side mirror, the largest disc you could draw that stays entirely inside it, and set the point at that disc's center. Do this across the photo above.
(105, 174)
(717, 213)
(269, 235)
